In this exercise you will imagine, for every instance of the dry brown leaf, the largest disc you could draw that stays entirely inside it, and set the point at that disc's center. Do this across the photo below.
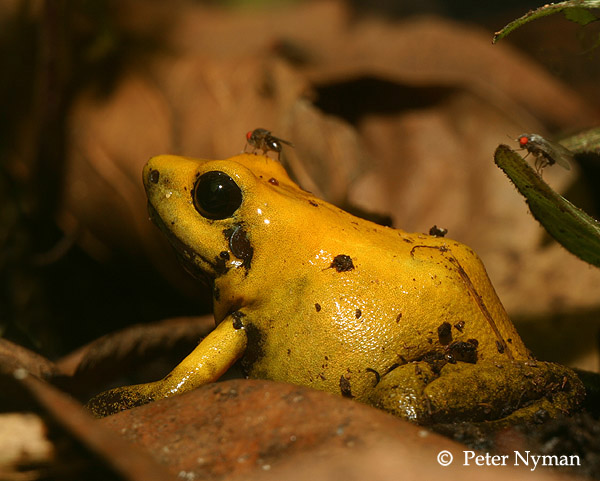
(241, 430)
(128, 461)
(383, 460)
(13, 357)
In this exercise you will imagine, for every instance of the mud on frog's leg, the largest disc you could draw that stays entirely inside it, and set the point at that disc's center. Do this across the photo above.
(504, 392)
(206, 363)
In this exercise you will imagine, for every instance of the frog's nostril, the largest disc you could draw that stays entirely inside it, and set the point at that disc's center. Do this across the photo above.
(154, 176)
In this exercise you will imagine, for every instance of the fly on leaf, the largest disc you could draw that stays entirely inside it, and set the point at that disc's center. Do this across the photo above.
(546, 152)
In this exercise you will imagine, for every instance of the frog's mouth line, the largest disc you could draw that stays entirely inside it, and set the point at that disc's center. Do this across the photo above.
(185, 253)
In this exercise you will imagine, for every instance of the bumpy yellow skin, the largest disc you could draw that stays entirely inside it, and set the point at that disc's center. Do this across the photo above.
(308, 294)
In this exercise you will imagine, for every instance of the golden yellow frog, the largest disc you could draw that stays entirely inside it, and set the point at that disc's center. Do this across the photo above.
(308, 294)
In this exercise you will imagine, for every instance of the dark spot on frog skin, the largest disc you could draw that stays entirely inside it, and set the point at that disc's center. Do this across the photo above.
(154, 176)
(500, 347)
(398, 317)
(313, 203)
(462, 351)
(318, 307)
(345, 387)
(509, 340)
(358, 313)
(377, 375)
(435, 359)
(342, 263)
(254, 351)
(220, 266)
(459, 326)
(239, 244)
(237, 319)
(273, 181)
(444, 331)
(221, 263)
(436, 231)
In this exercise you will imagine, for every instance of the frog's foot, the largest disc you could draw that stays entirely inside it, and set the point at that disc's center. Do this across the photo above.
(122, 398)
(505, 392)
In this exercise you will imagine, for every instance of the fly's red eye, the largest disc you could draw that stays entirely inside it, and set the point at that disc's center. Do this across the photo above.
(248, 135)
(523, 141)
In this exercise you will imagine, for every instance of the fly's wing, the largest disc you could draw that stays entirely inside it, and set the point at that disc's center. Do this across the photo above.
(561, 155)
(283, 141)
(537, 145)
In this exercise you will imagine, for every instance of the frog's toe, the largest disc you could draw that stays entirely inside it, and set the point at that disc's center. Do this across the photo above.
(116, 400)
(402, 392)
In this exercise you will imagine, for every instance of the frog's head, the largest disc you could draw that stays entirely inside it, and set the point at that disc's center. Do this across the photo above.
(215, 212)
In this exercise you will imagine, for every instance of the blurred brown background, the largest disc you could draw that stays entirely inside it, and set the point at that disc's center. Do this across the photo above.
(393, 107)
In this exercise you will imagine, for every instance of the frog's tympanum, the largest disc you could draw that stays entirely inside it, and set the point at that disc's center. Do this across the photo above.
(308, 294)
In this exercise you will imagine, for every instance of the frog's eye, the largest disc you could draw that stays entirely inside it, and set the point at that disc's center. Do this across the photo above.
(216, 195)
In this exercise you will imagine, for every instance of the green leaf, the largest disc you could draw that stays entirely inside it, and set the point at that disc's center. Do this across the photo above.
(574, 10)
(580, 15)
(586, 142)
(570, 226)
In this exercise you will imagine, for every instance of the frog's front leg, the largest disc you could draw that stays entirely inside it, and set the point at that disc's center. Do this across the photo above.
(503, 392)
(210, 360)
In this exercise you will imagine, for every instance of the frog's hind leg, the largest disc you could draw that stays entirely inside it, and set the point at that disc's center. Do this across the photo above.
(505, 393)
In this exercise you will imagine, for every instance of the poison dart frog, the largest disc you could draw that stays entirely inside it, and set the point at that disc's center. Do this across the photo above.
(308, 294)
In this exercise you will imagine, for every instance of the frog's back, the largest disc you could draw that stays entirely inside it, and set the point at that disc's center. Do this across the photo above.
(368, 297)
(436, 290)
(372, 281)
